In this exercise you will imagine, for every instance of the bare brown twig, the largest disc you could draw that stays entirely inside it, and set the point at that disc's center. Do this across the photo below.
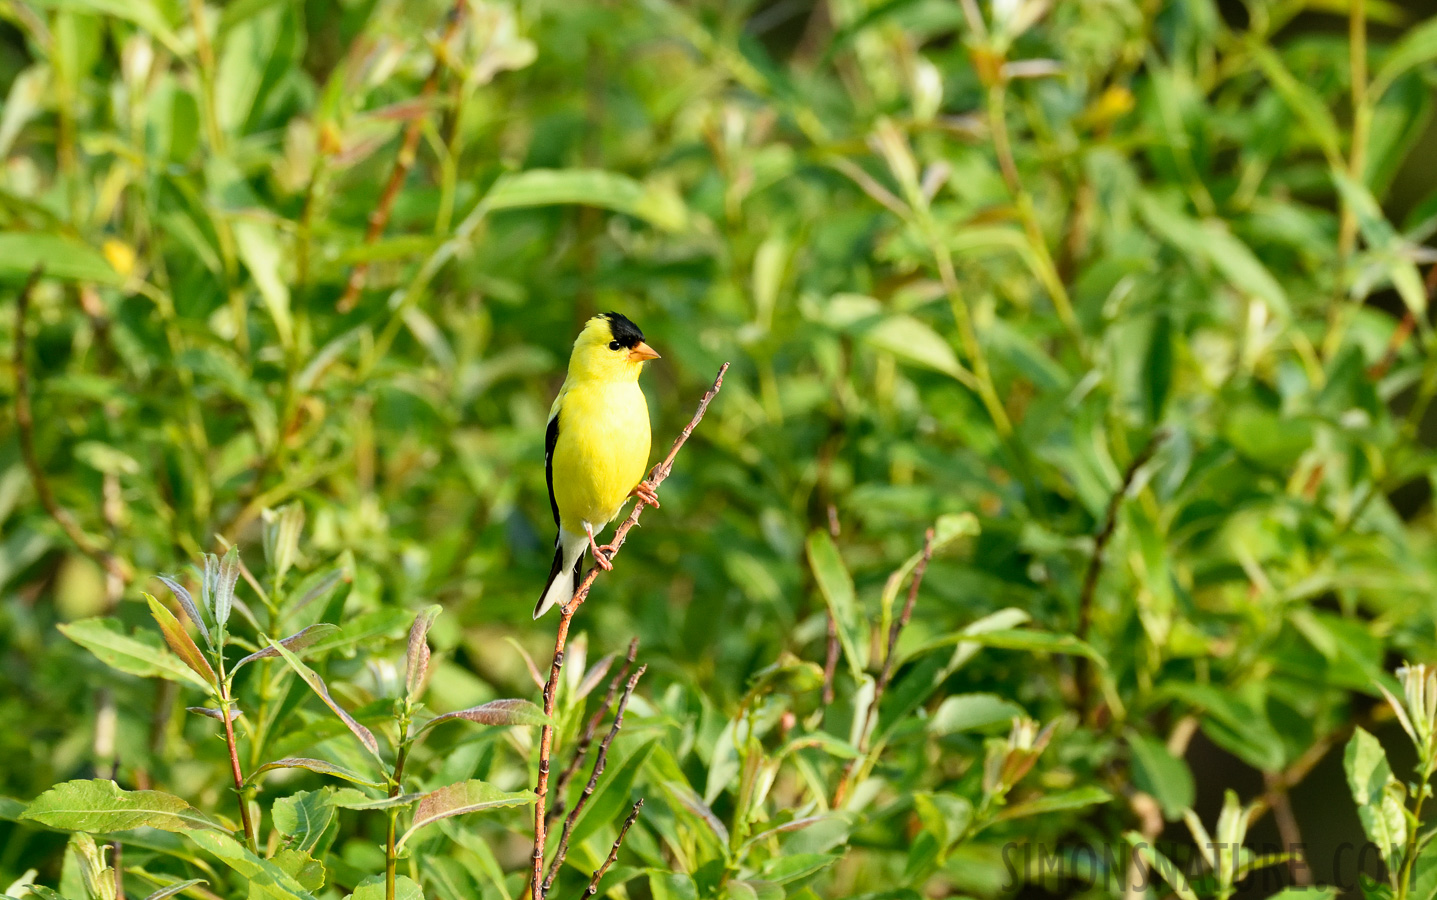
(600, 759)
(593, 887)
(1100, 546)
(830, 662)
(886, 674)
(587, 738)
(408, 149)
(25, 424)
(561, 638)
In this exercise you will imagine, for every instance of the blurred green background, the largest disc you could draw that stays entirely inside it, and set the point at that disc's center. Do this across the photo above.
(965, 257)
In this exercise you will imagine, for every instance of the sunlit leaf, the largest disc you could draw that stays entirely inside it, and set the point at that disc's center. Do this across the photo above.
(316, 765)
(316, 684)
(179, 640)
(139, 654)
(836, 587)
(99, 806)
(295, 643)
(460, 799)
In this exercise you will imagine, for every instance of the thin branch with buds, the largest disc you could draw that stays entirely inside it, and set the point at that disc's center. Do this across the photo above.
(561, 638)
(408, 149)
(1100, 546)
(25, 424)
(894, 631)
(586, 740)
(593, 887)
(885, 676)
(600, 759)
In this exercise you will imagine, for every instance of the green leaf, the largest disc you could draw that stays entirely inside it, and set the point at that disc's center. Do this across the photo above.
(179, 640)
(793, 866)
(139, 654)
(267, 881)
(99, 806)
(192, 611)
(416, 667)
(1388, 247)
(144, 13)
(672, 886)
(1159, 773)
(62, 257)
(224, 587)
(316, 684)
(349, 798)
(836, 586)
(170, 890)
(314, 765)
(660, 206)
(373, 888)
(1305, 103)
(259, 248)
(1213, 243)
(972, 712)
(307, 871)
(1377, 794)
(915, 343)
(303, 817)
(459, 799)
(295, 643)
(495, 712)
(1162, 866)
(1029, 639)
(1417, 46)
(1061, 801)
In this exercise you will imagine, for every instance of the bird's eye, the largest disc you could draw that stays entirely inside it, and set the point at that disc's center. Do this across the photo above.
(613, 345)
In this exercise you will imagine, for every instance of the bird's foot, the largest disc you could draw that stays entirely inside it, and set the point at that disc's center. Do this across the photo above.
(602, 554)
(647, 493)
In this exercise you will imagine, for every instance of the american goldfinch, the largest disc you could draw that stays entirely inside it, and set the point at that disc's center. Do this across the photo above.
(597, 446)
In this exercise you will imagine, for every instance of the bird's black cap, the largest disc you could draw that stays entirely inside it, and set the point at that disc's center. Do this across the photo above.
(625, 332)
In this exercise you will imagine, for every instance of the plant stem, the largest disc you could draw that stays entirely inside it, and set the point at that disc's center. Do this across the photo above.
(25, 424)
(1409, 858)
(1027, 211)
(1361, 118)
(403, 162)
(391, 855)
(225, 701)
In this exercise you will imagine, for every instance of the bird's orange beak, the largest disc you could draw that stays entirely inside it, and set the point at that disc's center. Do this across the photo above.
(642, 352)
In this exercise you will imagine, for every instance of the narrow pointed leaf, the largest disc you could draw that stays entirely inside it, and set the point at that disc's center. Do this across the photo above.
(495, 712)
(267, 881)
(140, 654)
(417, 659)
(302, 640)
(315, 765)
(172, 889)
(191, 610)
(836, 586)
(210, 713)
(464, 797)
(179, 640)
(224, 596)
(316, 684)
(349, 798)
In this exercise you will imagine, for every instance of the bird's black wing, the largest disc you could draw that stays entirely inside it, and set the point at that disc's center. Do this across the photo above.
(551, 437)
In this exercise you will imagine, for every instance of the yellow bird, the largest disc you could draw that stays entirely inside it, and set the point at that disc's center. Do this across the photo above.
(597, 446)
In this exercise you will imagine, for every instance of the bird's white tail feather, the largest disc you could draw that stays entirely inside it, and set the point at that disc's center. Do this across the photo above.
(563, 577)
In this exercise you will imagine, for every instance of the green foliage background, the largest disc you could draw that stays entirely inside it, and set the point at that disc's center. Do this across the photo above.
(966, 259)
